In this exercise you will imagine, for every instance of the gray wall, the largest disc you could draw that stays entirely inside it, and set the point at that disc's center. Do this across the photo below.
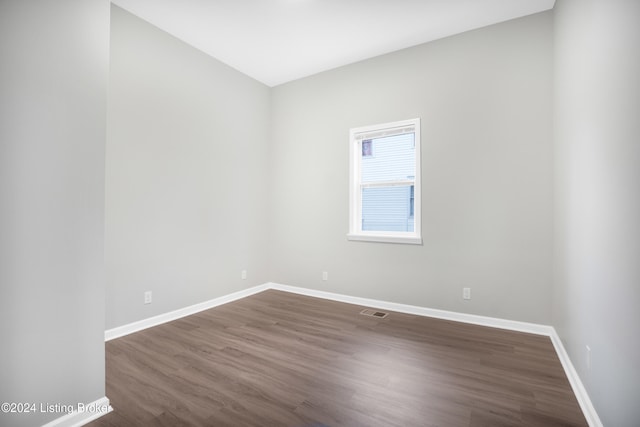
(485, 99)
(186, 174)
(209, 172)
(597, 122)
(53, 84)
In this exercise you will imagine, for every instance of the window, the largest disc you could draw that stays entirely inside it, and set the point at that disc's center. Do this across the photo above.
(385, 183)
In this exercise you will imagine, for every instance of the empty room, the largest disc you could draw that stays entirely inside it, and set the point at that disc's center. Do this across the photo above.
(320, 213)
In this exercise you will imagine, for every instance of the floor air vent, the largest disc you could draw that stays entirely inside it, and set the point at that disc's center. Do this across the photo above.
(374, 313)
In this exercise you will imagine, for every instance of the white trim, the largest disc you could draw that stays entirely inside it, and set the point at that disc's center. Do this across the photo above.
(576, 384)
(77, 419)
(130, 328)
(533, 328)
(382, 238)
(383, 130)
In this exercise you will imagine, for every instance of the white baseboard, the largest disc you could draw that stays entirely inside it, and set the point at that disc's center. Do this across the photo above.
(576, 384)
(532, 328)
(513, 325)
(130, 328)
(84, 414)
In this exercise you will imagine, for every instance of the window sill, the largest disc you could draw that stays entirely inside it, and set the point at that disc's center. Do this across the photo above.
(385, 238)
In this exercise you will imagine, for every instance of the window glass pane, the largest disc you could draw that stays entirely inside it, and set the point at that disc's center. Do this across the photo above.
(390, 158)
(387, 208)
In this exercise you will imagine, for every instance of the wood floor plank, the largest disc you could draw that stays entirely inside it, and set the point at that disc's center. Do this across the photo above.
(281, 359)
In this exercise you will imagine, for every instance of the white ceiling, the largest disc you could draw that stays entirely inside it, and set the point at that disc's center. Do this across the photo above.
(276, 41)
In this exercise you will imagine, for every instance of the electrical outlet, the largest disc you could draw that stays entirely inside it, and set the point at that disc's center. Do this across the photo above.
(325, 276)
(147, 297)
(243, 275)
(466, 293)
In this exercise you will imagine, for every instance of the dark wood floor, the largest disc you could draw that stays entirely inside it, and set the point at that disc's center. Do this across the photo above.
(280, 359)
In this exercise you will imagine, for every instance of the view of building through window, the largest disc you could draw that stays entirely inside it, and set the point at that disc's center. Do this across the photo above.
(387, 183)
(384, 193)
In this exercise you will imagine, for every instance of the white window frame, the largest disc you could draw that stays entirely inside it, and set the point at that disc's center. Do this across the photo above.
(356, 136)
